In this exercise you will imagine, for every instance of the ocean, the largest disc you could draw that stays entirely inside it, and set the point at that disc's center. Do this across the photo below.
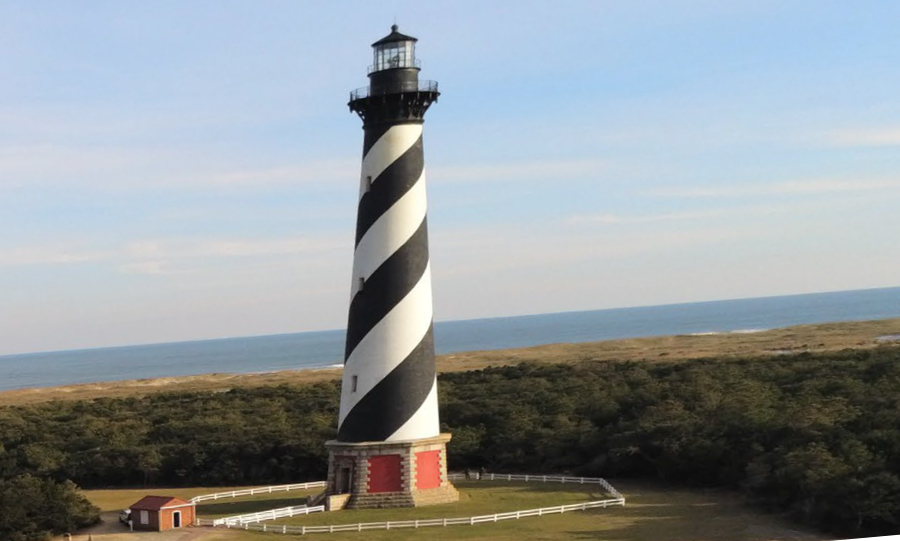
(310, 350)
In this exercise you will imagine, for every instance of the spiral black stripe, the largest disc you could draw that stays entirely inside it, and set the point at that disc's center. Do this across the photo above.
(395, 399)
(389, 187)
(387, 286)
(388, 390)
(372, 136)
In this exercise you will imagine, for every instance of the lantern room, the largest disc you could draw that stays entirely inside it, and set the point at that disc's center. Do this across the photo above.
(394, 51)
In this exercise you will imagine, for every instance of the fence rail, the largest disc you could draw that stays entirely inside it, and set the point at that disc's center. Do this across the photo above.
(528, 478)
(271, 514)
(619, 500)
(423, 86)
(399, 524)
(258, 490)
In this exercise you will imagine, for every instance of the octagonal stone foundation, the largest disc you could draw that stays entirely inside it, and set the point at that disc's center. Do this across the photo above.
(377, 474)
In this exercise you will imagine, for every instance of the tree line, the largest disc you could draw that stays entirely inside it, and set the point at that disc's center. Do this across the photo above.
(817, 435)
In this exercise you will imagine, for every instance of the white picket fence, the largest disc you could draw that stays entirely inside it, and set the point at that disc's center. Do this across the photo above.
(271, 514)
(619, 500)
(423, 523)
(539, 478)
(258, 490)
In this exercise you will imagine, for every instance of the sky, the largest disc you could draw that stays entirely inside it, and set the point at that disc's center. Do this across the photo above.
(176, 170)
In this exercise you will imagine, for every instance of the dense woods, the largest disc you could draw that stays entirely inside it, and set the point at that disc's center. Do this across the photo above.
(814, 435)
(35, 508)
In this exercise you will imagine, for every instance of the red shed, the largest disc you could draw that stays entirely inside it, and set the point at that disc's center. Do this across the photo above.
(158, 513)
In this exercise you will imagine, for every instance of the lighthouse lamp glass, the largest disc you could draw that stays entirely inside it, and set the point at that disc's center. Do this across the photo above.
(398, 54)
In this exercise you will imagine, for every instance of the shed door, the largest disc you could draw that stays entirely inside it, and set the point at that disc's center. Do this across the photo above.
(145, 517)
(176, 519)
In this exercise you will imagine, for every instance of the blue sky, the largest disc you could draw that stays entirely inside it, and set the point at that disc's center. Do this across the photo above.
(183, 170)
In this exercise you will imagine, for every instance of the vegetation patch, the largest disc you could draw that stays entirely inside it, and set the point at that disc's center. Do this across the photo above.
(813, 434)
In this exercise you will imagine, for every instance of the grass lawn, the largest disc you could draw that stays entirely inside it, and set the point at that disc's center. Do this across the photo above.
(475, 498)
(253, 504)
(652, 513)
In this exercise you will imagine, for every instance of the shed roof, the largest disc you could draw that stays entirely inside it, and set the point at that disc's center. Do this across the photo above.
(155, 503)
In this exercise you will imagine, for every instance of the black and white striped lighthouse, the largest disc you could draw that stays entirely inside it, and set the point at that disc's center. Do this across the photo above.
(389, 450)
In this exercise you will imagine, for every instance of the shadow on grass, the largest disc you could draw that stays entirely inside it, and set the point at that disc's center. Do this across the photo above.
(239, 508)
(696, 515)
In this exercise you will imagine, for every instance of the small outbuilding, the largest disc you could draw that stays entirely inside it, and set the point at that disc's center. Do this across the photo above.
(158, 513)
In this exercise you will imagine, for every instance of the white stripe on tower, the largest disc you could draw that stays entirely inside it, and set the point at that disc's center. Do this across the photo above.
(390, 146)
(427, 415)
(389, 384)
(387, 344)
(388, 233)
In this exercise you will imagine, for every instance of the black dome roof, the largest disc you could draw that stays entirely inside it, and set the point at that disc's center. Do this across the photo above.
(394, 36)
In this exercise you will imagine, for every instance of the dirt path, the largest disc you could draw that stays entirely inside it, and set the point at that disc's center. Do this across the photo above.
(113, 530)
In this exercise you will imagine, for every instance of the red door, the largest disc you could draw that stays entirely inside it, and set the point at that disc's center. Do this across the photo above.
(384, 473)
(428, 469)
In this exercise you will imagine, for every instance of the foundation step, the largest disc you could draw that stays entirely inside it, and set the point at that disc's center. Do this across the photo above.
(381, 500)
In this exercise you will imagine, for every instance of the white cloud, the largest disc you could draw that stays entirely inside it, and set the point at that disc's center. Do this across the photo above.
(518, 171)
(888, 136)
(796, 187)
(647, 218)
(109, 167)
(47, 255)
(200, 248)
(155, 268)
(321, 171)
(154, 256)
(50, 162)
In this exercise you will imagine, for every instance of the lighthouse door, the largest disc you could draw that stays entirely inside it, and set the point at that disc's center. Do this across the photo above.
(343, 480)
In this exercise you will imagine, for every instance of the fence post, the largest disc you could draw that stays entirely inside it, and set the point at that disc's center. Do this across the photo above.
(284, 529)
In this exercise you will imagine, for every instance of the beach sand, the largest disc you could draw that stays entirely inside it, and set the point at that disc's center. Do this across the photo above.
(812, 338)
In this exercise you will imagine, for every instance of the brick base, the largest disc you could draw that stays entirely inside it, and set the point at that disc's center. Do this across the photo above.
(349, 469)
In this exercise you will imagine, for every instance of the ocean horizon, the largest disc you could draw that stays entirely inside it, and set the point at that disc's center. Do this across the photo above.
(324, 349)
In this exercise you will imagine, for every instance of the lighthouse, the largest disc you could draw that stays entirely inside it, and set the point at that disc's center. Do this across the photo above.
(389, 450)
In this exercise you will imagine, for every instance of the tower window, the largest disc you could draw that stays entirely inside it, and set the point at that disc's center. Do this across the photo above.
(362, 282)
(368, 186)
(353, 380)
